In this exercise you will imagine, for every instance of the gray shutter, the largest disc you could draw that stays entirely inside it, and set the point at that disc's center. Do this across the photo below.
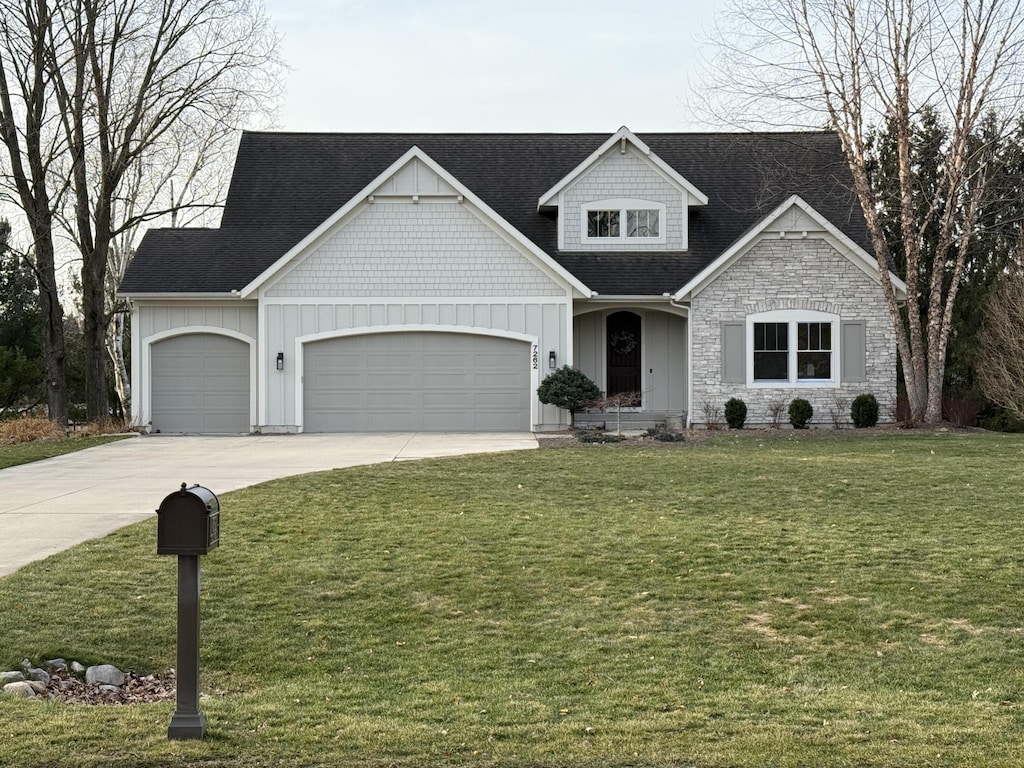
(854, 351)
(734, 353)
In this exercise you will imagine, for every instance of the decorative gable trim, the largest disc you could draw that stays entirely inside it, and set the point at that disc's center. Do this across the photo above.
(794, 216)
(620, 137)
(463, 193)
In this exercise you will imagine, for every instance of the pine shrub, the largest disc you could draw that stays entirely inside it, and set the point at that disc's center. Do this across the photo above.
(864, 411)
(735, 413)
(800, 412)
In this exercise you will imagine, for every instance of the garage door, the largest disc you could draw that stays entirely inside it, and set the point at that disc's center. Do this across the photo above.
(200, 384)
(439, 382)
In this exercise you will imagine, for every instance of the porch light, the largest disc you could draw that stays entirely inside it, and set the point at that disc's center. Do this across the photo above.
(280, 361)
(552, 359)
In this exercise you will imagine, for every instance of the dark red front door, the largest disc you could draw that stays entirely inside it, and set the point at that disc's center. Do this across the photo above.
(623, 333)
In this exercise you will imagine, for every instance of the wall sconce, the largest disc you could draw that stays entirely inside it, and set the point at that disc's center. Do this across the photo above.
(552, 359)
(280, 361)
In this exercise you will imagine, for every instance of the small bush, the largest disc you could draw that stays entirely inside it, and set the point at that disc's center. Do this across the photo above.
(712, 414)
(864, 411)
(29, 430)
(960, 412)
(1002, 421)
(800, 412)
(595, 437)
(776, 408)
(663, 435)
(735, 413)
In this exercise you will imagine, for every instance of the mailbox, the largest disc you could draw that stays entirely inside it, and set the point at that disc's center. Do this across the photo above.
(188, 522)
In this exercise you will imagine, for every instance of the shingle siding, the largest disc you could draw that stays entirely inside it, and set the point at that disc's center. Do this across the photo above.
(424, 249)
(622, 176)
(800, 274)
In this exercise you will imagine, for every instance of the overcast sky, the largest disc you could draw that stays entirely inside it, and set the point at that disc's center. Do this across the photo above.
(454, 65)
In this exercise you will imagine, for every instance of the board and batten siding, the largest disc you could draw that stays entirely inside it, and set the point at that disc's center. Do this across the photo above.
(792, 273)
(154, 320)
(663, 350)
(399, 265)
(619, 175)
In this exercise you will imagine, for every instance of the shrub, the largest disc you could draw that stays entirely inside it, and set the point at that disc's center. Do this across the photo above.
(665, 436)
(776, 408)
(837, 411)
(597, 437)
(960, 412)
(1002, 421)
(735, 413)
(712, 415)
(568, 388)
(800, 412)
(864, 410)
(29, 430)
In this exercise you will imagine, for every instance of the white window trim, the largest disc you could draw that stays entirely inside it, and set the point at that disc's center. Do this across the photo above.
(622, 204)
(792, 317)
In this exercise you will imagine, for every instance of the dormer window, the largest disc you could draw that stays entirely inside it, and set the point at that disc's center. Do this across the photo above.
(623, 221)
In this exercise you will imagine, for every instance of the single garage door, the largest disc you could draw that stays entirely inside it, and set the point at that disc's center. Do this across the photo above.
(200, 384)
(416, 381)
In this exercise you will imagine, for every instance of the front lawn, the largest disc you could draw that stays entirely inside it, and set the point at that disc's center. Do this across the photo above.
(786, 601)
(23, 453)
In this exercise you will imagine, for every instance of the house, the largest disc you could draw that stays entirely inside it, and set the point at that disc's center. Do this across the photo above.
(393, 282)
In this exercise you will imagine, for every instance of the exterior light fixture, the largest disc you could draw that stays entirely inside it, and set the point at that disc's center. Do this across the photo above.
(552, 359)
(280, 361)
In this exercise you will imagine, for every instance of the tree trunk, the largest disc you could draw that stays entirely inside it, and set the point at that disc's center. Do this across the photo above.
(97, 404)
(54, 357)
(115, 348)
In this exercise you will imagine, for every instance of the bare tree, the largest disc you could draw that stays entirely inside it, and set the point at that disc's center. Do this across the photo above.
(1001, 343)
(855, 65)
(144, 95)
(31, 179)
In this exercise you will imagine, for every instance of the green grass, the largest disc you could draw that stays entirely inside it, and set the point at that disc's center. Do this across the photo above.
(785, 601)
(24, 453)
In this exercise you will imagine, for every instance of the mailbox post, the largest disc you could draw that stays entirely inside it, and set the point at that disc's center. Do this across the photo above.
(188, 525)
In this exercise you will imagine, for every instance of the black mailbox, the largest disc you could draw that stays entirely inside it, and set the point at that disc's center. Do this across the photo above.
(188, 522)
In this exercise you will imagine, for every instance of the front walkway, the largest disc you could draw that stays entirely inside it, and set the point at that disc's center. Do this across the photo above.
(51, 505)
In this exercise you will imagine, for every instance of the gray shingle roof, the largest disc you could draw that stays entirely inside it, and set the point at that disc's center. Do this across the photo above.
(285, 184)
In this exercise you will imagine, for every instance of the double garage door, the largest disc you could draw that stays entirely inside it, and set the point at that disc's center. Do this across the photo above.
(416, 381)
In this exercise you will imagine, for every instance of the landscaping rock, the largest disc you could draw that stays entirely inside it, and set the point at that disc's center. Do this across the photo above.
(104, 674)
(35, 673)
(22, 689)
(37, 686)
(11, 677)
(77, 668)
(57, 664)
(109, 689)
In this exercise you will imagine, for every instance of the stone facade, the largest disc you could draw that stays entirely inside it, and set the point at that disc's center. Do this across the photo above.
(799, 273)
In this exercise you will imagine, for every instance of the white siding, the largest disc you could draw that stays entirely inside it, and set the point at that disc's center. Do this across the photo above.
(430, 249)
(626, 175)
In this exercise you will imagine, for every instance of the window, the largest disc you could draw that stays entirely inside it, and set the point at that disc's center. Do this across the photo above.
(602, 223)
(771, 351)
(791, 347)
(814, 350)
(623, 221)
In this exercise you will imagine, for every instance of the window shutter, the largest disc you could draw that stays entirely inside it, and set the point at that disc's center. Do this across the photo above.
(734, 353)
(854, 351)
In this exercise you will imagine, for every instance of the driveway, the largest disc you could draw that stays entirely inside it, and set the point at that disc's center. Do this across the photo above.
(50, 505)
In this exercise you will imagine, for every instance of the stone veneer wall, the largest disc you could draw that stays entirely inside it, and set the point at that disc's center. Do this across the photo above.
(799, 273)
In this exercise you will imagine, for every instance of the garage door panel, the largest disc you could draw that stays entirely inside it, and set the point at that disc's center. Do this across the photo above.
(417, 381)
(200, 384)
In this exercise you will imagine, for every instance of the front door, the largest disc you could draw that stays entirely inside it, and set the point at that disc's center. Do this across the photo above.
(623, 353)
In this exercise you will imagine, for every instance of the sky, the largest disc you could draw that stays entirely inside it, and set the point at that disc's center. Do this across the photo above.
(454, 65)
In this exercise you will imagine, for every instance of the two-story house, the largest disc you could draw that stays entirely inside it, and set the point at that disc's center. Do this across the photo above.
(393, 282)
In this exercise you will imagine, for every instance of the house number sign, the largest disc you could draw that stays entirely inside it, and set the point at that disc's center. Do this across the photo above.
(536, 358)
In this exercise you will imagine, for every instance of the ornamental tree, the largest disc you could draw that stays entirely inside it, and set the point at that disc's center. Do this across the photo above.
(568, 388)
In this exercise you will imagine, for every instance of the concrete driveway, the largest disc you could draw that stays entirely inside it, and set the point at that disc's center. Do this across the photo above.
(50, 505)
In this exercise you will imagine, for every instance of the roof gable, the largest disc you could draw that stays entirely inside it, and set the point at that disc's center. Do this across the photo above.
(619, 139)
(413, 170)
(793, 215)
